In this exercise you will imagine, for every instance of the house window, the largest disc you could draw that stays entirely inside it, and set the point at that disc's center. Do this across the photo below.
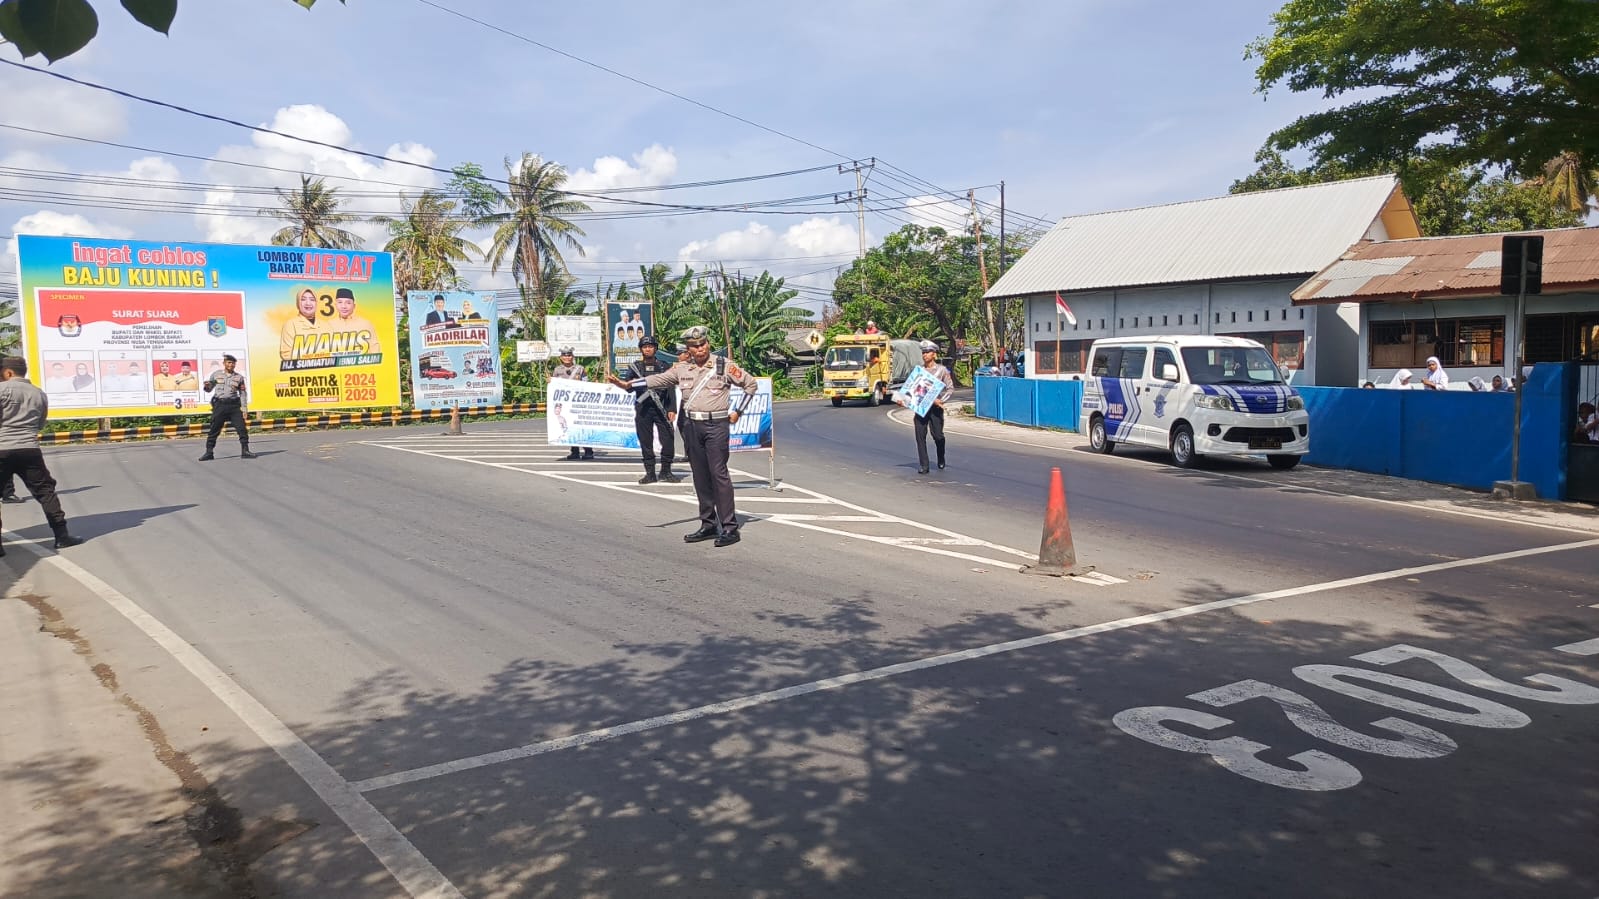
(1121, 322)
(1286, 347)
(1164, 320)
(1035, 327)
(1218, 318)
(1301, 313)
(1235, 318)
(1470, 342)
(1251, 315)
(1072, 353)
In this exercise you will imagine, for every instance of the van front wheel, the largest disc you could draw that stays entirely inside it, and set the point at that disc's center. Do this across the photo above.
(1098, 440)
(1283, 463)
(1182, 447)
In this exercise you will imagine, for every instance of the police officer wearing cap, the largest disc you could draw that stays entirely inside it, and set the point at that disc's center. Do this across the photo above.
(934, 419)
(704, 383)
(569, 369)
(653, 415)
(227, 388)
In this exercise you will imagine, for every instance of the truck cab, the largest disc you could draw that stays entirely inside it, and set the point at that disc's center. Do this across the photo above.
(858, 367)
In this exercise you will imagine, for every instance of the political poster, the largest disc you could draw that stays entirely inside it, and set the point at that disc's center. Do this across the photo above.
(753, 430)
(919, 391)
(580, 332)
(126, 328)
(626, 324)
(455, 350)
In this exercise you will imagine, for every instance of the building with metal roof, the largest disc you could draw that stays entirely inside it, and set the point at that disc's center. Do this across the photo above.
(1225, 265)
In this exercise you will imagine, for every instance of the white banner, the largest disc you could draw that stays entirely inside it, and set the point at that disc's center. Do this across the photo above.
(583, 333)
(532, 351)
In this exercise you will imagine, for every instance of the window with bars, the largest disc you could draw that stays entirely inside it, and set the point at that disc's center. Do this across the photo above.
(1455, 341)
(1071, 356)
(1287, 348)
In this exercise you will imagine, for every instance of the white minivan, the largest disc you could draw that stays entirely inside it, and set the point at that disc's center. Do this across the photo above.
(1195, 395)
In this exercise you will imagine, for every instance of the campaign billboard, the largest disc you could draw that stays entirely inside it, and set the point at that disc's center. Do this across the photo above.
(626, 324)
(455, 349)
(115, 327)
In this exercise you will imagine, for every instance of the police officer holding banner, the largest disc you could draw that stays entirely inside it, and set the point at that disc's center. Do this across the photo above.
(704, 383)
(227, 388)
(653, 414)
(569, 369)
(934, 419)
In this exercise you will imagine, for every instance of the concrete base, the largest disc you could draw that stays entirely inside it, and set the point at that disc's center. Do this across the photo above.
(1515, 490)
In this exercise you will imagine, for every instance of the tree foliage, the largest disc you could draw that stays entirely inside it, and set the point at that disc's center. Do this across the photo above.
(313, 216)
(59, 28)
(426, 242)
(919, 282)
(530, 218)
(1498, 83)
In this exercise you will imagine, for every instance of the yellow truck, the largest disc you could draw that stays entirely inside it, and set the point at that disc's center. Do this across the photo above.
(867, 367)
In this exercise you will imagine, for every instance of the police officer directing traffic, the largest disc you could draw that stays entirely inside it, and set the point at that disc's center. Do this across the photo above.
(653, 415)
(569, 369)
(227, 388)
(23, 409)
(704, 383)
(934, 419)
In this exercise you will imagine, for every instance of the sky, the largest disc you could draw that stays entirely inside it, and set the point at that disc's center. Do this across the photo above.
(1078, 106)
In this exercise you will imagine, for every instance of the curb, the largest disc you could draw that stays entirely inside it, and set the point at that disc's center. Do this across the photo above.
(331, 420)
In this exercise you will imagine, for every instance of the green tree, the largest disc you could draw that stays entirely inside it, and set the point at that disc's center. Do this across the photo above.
(531, 219)
(759, 318)
(677, 303)
(1273, 171)
(1492, 83)
(1571, 182)
(426, 242)
(313, 216)
(60, 28)
(10, 333)
(919, 281)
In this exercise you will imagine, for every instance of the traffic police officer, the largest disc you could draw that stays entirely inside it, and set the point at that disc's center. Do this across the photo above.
(653, 414)
(569, 369)
(704, 383)
(934, 419)
(23, 409)
(227, 389)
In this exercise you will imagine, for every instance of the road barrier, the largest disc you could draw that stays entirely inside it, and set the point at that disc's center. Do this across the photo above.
(328, 420)
(1030, 402)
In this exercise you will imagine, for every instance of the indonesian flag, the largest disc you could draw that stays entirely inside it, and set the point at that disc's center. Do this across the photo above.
(1063, 309)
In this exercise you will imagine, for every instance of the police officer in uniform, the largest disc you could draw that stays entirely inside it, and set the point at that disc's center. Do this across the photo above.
(227, 388)
(569, 369)
(704, 382)
(23, 409)
(934, 419)
(653, 414)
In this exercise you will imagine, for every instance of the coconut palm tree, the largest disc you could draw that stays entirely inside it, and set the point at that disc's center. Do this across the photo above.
(532, 221)
(426, 242)
(1571, 182)
(313, 216)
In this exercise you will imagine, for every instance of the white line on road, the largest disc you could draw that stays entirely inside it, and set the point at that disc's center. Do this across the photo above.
(832, 683)
(1585, 648)
(416, 875)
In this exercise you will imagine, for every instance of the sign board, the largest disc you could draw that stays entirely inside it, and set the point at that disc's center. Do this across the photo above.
(814, 339)
(130, 328)
(455, 350)
(1513, 249)
(532, 351)
(627, 324)
(580, 332)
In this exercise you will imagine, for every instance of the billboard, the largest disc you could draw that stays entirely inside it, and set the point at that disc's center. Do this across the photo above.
(455, 349)
(626, 324)
(580, 332)
(127, 328)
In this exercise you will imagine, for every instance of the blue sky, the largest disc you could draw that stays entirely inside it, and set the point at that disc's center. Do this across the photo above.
(1079, 106)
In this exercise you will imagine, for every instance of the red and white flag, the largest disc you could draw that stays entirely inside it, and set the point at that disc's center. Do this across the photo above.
(1060, 306)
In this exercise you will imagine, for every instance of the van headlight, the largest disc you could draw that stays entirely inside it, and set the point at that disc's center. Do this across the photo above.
(1207, 401)
(1296, 403)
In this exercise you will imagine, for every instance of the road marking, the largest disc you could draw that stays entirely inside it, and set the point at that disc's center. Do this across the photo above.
(529, 750)
(1585, 648)
(415, 874)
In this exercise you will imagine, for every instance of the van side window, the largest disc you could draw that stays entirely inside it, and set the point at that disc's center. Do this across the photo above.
(1133, 361)
(1163, 358)
(1107, 361)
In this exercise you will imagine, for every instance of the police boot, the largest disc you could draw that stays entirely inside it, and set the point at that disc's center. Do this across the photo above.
(649, 474)
(588, 452)
(11, 496)
(573, 454)
(668, 475)
(244, 452)
(208, 455)
(940, 455)
(64, 539)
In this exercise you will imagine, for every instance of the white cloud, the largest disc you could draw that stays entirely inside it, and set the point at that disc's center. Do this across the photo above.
(760, 243)
(940, 212)
(48, 223)
(44, 103)
(655, 165)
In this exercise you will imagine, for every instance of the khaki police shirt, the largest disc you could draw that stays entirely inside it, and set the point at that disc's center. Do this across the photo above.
(713, 397)
(227, 386)
(573, 372)
(23, 409)
(938, 371)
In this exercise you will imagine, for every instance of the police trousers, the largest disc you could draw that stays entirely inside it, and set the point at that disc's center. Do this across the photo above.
(933, 421)
(650, 422)
(225, 412)
(28, 465)
(705, 443)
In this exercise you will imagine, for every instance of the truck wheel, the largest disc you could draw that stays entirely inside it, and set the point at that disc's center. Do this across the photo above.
(1098, 440)
(1182, 447)
(875, 398)
(837, 401)
(1283, 463)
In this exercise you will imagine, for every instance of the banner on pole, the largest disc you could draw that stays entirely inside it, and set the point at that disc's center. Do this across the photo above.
(580, 332)
(455, 350)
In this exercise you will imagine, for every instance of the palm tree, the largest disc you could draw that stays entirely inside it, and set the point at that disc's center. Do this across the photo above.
(760, 319)
(313, 216)
(532, 221)
(1571, 182)
(426, 242)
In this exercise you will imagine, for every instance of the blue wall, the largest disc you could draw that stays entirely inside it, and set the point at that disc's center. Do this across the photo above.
(1452, 437)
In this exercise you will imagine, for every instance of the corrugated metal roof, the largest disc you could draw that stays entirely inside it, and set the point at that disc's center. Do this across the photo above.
(1448, 268)
(1292, 231)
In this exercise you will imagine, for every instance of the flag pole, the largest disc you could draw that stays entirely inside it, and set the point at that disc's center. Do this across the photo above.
(1060, 325)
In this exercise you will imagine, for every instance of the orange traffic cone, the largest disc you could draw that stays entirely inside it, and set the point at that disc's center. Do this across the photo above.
(1056, 555)
(455, 422)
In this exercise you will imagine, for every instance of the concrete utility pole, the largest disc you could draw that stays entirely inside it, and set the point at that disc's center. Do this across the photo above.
(1004, 305)
(858, 197)
(982, 270)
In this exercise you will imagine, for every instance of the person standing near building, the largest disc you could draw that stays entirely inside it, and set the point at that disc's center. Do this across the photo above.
(227, 388)
(568, 369)
(23, 410)
(934, 419)
(704, 383)
(653, 415)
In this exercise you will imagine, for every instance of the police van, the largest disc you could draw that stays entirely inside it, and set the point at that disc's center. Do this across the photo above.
(1195, 395)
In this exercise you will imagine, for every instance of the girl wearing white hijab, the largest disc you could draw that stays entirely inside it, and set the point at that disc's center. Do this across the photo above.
(1401, 380)
(1435, 378)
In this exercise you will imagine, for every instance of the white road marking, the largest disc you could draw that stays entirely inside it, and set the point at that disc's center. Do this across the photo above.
(832, 683)
(1098, 577)
(1585, 648)
(415, 874)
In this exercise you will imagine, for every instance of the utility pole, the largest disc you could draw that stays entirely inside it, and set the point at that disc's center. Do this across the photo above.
(982, 270)
(858, 197)
(1004, 305)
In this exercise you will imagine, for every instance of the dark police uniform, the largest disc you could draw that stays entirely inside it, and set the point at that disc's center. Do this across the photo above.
(572, 372)
(650, 419)
(227, 407)
(706, 416)
(23, 410)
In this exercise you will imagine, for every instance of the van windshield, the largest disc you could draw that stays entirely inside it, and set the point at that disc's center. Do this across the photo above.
(844, 358)
(1230, 365)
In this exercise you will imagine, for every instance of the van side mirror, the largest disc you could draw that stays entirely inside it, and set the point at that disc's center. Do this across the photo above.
(1168, 372)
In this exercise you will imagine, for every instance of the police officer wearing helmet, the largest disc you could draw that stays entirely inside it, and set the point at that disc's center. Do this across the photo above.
(568, 369)
(934, 419)
(704, 382)
(653, 415)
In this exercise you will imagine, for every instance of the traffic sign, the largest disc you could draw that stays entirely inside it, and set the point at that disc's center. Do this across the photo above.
(814, 339)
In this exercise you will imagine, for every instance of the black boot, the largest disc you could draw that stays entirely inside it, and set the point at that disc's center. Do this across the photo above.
(668, 475)
(941, 455)
(64, 539)
(572, 455)
(649, 474)
(244, 452)
(588, 452)
(12, 497)
(208, 456)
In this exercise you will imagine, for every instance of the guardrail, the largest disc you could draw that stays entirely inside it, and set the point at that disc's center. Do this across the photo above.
(295, 422)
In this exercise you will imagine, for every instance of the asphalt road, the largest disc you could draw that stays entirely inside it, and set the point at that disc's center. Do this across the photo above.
(500, 674)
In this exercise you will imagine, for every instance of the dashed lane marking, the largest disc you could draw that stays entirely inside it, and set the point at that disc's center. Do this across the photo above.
(1585, 648)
